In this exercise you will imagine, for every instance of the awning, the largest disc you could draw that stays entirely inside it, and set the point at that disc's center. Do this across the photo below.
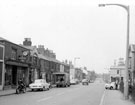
(16, 63)
(60, 73)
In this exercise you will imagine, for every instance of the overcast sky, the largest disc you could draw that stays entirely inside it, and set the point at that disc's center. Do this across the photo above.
(71, 28)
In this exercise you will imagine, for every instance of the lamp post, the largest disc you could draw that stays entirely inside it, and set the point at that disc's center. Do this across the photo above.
(75, 61)
(127, 46)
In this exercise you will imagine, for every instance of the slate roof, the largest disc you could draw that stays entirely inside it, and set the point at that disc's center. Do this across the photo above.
(2, 39)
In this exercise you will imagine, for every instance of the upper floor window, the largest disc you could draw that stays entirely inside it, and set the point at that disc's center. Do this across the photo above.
(118, 71)
(35, 60)
(14, 54)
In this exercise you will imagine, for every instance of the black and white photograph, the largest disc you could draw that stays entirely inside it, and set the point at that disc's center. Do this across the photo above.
(67, 52)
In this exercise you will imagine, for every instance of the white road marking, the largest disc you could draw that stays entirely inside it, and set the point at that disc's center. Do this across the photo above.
(102, 99)
(43, 99)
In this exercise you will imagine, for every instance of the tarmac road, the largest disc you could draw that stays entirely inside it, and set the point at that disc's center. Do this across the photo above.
(74, 95)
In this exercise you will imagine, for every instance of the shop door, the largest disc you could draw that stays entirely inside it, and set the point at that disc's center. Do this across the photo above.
(14, 75)
(1, 69)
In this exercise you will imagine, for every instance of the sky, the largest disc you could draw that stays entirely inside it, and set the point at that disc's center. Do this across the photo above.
(71, 28)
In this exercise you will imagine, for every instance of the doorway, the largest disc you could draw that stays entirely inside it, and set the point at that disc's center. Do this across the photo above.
(14, 75)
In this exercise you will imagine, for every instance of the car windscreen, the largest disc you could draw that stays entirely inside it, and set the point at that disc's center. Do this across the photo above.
(38, 81)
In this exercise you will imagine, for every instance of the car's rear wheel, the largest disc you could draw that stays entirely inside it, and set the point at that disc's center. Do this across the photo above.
(44, 88)
(48, 88)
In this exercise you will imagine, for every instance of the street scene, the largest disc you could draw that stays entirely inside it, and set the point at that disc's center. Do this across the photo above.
(67, 52)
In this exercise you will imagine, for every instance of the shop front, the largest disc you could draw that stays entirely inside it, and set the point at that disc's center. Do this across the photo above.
(15, 71)
(2, 50)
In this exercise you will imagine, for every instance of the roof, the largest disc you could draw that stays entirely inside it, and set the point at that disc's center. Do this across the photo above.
(40, 55)
(49, 59)
(54, 60)
(29, 47)
(43, 57)
(65, 64)
(117, 67)
(2, 39)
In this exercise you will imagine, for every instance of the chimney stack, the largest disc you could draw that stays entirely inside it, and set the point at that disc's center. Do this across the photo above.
(27, 42)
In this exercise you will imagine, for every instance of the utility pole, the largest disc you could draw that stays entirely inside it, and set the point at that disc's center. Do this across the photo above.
(126, 85)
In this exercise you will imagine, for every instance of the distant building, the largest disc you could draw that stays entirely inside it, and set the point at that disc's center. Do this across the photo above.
(117, 71)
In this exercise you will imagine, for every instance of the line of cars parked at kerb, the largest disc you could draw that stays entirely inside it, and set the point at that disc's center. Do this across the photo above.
(61, 80)
(41, 84)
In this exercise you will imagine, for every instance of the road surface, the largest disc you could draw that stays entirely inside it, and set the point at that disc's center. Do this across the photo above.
(74, 95)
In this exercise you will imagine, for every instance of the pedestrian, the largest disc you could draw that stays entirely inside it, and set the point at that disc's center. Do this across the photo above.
(122, 86)
(116, 84)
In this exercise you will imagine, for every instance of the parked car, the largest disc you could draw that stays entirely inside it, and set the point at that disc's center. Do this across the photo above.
(110, 85)
(39, 84)
(77, 81)
(85, 82)
(72, 82)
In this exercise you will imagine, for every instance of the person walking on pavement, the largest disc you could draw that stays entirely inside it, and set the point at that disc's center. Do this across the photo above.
(116, 84)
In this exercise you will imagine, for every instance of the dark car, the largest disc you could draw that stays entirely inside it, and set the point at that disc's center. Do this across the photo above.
(85, 82)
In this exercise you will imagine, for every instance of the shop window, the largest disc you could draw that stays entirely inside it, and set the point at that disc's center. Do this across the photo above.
(1, 68)
(1, 53)
(8, 76)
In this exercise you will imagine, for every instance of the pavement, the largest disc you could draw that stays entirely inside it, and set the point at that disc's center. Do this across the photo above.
(8, 92)
(115, 97)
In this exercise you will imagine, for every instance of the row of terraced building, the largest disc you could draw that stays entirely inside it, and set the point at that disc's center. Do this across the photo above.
(27, 62)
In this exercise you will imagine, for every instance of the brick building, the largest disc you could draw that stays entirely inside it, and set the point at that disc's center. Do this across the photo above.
(16, 64)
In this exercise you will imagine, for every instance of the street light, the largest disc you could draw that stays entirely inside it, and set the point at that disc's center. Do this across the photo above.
(75, 60)
(127, 46)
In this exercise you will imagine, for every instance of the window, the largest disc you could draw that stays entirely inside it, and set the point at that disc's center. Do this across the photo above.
(117, 71)
(1, 53)
(35, 60)
(1, 68)
(14, 54)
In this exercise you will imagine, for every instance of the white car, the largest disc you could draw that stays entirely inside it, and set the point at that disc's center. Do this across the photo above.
(39, 84)
(110, 85)
(72, 82)
(85, 82)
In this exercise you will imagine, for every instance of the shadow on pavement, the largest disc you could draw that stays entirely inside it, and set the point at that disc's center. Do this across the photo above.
(7, 94)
